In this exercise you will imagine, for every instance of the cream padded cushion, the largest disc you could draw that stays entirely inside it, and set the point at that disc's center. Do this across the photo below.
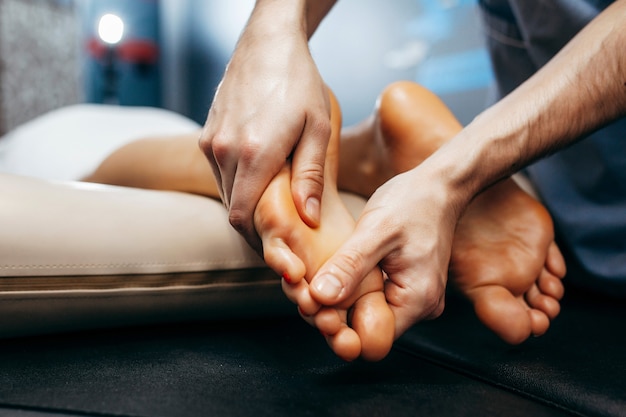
(75, 255)
(67, 143)
(72, 228)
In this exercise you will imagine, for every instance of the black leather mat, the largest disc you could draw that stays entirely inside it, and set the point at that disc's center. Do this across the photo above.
(579, 365)
(270, 367)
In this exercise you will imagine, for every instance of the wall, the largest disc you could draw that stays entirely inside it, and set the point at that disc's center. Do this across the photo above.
(198, 38)
(39, 64)
(124, 73)
(362, 46)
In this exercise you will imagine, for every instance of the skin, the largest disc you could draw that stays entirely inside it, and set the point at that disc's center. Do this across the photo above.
(291, 247)
(408, 124)
(504, 259)
(579, 90)
(244, 145)
(295, 250)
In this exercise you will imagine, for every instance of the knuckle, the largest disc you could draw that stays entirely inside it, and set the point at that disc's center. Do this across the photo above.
(426, 299)
(321, 128)
(214, 145)
(349, 264)
(438, 309)
(204, 141)
(312, 172)
(239, 220)
(223, 147)
(249, 150)
(244, 226)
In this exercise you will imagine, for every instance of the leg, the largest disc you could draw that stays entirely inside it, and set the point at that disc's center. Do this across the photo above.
(504, 259)
(167, 163)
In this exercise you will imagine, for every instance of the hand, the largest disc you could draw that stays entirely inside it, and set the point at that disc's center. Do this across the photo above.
(407, 228)
(271, 105)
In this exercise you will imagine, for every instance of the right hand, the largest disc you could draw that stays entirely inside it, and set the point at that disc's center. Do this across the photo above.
(406, 228)
(271, 105)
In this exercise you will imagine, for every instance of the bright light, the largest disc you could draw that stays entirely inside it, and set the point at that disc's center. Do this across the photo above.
(111, 28)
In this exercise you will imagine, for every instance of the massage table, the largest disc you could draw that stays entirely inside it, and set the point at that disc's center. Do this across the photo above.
(121, 301)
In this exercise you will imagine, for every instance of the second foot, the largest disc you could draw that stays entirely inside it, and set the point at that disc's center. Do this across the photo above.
(505, 261)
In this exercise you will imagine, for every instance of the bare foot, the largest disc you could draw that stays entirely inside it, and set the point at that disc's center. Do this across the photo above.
(504, 259)
(362, 326)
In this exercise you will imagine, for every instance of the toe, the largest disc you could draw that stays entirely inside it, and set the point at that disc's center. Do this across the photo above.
(373, 321)
(282, 260)
(329, 321)
(345, 343)
(555, 263)
(539, 322)
(551, 285)
(501, 312)
(299, 294)
(544, 303)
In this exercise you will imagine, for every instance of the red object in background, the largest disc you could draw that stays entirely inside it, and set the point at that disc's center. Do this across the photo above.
(138, 52)
(133, 51)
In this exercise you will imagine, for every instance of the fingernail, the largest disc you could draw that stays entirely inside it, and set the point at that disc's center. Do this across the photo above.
(313, 208)
(328, 286)
(287, 278)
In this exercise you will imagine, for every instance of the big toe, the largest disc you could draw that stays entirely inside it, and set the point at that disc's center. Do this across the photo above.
(373, 321)
(502, 313)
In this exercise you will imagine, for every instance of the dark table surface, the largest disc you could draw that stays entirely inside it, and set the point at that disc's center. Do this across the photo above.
(579, 365)
(270, 367)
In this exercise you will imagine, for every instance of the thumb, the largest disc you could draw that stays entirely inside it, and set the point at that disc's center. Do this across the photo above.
(341, 275)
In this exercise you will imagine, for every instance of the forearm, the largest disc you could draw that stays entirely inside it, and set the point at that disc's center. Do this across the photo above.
(298, 15)
(579, 91)
(316, 11)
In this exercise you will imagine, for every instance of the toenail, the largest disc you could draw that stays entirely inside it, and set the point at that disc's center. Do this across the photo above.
(328, 286)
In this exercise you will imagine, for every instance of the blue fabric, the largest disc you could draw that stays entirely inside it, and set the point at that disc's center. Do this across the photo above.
(583, 186)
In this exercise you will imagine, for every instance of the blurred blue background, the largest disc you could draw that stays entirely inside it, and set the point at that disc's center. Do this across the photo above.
(362, 46)
(129, 72)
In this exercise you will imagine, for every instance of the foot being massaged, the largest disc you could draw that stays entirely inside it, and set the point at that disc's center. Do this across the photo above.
(504, 259)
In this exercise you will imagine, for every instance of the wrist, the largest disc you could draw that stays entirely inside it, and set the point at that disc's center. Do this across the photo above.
(303, 16)
(449, 184)
(278, 16)
(476, 158)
